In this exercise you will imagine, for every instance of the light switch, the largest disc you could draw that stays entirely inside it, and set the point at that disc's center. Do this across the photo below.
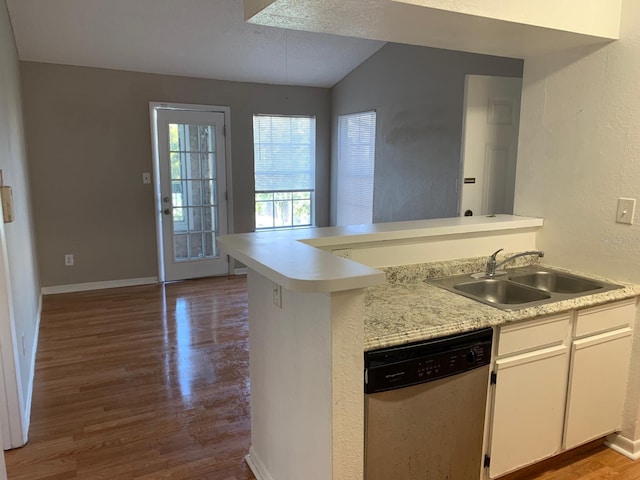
(146, 178)
(626, 209)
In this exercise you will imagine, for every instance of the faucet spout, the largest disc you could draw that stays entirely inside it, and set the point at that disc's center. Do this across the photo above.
(493, 265)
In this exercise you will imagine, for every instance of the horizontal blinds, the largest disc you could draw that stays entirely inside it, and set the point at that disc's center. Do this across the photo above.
(356, 158)
(284, 153)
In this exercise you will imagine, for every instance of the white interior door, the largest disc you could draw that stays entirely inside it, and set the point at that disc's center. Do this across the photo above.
(193, 191)
(491, 120)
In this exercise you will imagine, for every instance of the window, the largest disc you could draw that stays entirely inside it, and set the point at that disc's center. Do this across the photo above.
(356, 155)
(285, 161)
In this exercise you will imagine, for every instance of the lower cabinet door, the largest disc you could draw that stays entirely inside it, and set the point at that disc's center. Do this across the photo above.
(597, 386)
(528, 408)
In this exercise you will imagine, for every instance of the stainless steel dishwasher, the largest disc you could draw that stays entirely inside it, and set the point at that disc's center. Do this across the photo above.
(425, 407)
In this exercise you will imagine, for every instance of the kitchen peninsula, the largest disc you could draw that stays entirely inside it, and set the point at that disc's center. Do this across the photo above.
(312, 314)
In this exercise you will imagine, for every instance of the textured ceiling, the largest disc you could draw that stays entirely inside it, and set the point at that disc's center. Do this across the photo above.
(198, 38)
(487, 28)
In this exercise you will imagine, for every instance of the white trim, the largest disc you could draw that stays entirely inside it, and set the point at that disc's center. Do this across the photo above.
(240, 271)
(153, 116)
(256, 465)
(623, 445)
(26, 420)
(83, 287)
(11, 393)
(227, 147)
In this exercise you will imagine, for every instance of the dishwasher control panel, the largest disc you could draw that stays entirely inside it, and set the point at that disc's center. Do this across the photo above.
(421, 362)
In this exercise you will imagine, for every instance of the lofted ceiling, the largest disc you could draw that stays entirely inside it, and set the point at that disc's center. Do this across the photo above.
(197, 38)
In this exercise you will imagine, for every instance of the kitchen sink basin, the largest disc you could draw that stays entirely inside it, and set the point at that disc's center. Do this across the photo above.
(501, 291)
(522, 287)
(557, 282)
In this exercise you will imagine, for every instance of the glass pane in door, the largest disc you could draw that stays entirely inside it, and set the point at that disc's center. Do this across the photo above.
(192, 150)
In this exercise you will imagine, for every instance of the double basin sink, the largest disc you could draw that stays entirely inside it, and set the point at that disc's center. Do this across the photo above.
(523, 287)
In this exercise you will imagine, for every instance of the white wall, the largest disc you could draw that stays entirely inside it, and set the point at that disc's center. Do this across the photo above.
(436, 249)
(307, 400)
(593, 17)
(20, 277)
(347, 333)
(579, 150)
(291, 391)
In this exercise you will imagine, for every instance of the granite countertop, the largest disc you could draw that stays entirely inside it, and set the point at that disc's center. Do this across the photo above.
(406, 309)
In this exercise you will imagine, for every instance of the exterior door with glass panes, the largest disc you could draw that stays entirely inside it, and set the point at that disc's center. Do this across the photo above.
(191, 152)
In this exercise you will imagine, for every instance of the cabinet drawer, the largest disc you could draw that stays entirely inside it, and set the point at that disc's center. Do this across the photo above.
(531, 334)
(605, 317)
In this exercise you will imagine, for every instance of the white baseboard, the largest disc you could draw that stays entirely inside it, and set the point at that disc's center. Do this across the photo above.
(627, 447)
(240, 271)
(256, 465)
(83, 287)
(26, 420)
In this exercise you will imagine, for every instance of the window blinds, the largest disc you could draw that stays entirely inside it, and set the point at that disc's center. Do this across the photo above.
(284, 153)
(356, 156)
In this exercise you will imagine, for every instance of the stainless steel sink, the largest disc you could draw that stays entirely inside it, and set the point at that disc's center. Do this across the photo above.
(501, 292)
(557, 282)
(523, 287)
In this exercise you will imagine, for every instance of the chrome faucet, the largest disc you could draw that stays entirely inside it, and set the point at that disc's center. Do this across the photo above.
(493, 265)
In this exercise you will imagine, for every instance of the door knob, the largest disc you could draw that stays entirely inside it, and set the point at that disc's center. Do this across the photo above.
(167, 211)
(165, 199)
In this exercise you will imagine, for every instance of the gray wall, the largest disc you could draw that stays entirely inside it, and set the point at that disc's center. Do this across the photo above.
(89, 142)
(23, 275)
(417, 93)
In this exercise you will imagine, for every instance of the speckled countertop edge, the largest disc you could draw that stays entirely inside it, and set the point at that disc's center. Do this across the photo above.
(406, 309)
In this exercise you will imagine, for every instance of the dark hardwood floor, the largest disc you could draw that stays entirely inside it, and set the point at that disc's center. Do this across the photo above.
(152, 382)
(145, 382)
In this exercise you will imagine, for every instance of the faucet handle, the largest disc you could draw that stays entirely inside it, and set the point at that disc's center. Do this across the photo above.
(494, 254)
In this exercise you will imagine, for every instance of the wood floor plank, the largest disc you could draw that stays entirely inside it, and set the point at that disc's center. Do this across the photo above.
(146, 382)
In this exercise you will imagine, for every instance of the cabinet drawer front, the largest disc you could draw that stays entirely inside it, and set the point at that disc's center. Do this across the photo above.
(523, 336)
(605, 318)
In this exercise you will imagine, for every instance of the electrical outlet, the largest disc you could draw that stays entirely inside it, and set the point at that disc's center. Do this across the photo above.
(277, 295)
(342, 252)
(146, 178)
(626, 209)
(68, 260)
(24, 346)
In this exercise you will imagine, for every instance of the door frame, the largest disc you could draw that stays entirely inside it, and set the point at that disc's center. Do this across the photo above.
(157, 203)
(14, 414)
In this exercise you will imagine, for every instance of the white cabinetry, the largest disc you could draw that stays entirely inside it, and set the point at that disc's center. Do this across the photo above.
(599, 368)
(560, 382)
(530, 393)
